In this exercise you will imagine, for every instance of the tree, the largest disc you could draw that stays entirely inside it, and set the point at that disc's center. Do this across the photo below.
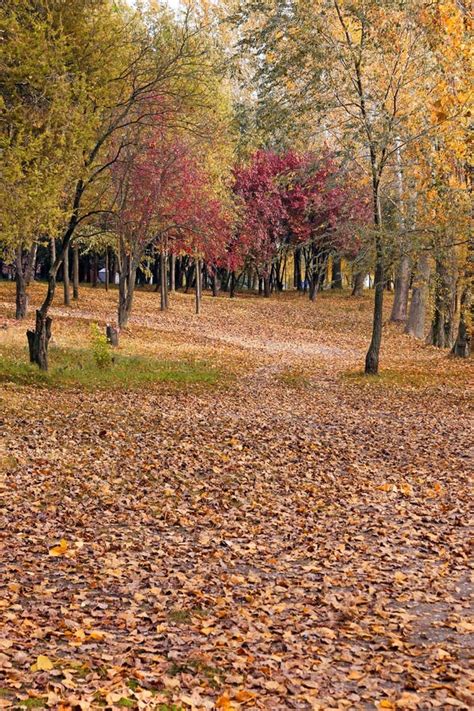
(117, 62)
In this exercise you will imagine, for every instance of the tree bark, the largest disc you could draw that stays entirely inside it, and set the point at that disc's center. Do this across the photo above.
(373, 354)
(336, 275)
(415, 325)
(172, 272)
(402, 286)
(21, 294)
(38, 340)
(232, 285)
(163, 281)
(198, 286)
(75, 272)
(358, 284)
(106, 265)
(266, 286)
(127, 279)
(462, 344)
(442, 326)
(67, 295)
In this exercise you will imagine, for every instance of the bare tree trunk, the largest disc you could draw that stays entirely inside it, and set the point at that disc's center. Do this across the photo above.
(415, 325)
(232, 285)
(402, 285)
(373, 354)
(442, 326)
(163, 281)
(75, 272)
(95, 270)
(462, 344)
(30, 270)
(198, 286)
(336, 276)
(21, 294)
(172, 272)
(67, 295)
(106, 266)
(127, 279)
(266, 286)
(358, 284)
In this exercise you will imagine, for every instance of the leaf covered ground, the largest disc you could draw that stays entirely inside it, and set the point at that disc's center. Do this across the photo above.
(285, 535)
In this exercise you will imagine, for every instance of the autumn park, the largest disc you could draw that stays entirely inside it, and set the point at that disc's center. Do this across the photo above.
(236, 312)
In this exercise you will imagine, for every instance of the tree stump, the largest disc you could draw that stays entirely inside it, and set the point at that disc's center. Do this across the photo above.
(112, 335)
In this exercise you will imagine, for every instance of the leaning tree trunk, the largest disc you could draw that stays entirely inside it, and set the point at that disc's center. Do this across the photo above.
(415, 325)
(402, 285)
(39, 338)
(21, 294)
(67, 296)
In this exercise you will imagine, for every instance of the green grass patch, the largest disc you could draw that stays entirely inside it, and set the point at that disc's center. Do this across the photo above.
(35, 702)
(79, 368)
(293, 378)
(394, 378)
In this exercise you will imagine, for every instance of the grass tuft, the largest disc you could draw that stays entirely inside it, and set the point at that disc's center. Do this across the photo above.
(79, 368)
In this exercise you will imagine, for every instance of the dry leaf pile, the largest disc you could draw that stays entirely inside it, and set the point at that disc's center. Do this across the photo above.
(293, 538)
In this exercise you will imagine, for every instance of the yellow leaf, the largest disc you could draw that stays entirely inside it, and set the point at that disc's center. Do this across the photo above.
(42, 664)
(400, 577)
(406, 489)
(223, 702)
(97, 635)
(385, 487)
(386, 704)
(60, 549)
(243, 696)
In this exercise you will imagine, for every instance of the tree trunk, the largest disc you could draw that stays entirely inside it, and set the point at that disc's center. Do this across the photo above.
(127, 279)
(462, 344)
(415, 325)
(95, 270)
(112, 335)
(336, 276)
(172, 272)
(358, 284)
(38, 340)
(163, 281)
(30, 270)
(232, 285)
(266, 286)
(442, 327)
(402, 285)
(20, 279)
(373, 354)
(106, 265)
(297, 280)
(214, 282)
(75, 272)
(198, 286)
(67, 296)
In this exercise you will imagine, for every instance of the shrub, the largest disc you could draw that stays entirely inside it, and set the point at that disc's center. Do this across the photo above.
(100, 348)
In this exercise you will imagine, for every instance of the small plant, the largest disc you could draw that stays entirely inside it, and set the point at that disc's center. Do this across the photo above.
(100, 348)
